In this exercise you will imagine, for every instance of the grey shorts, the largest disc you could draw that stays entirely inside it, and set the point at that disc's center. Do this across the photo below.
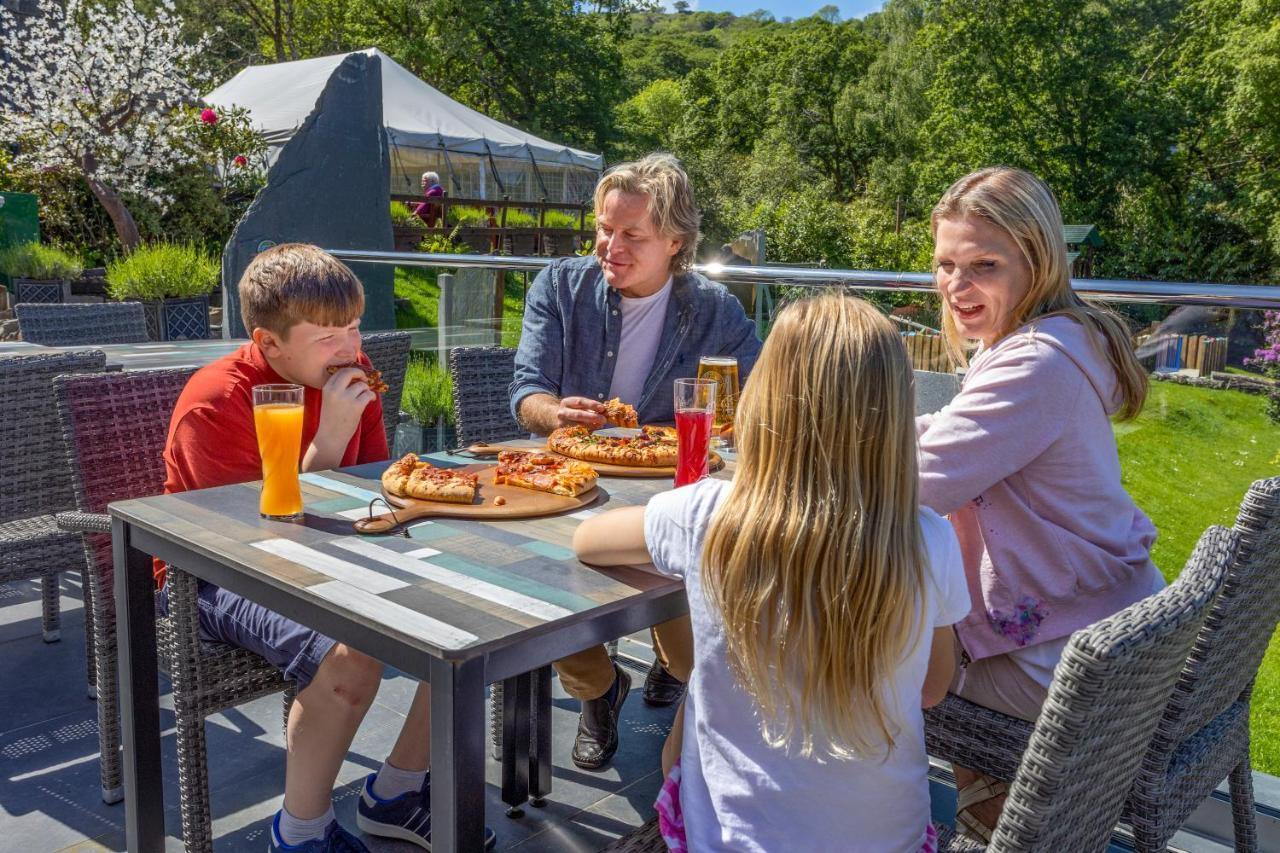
(294, 649)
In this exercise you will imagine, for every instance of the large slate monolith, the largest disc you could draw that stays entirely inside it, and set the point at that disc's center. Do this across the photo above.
(330, 186)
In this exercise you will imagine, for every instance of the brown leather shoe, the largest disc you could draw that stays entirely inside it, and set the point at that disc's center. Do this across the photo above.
(597, 738)
(661, 688)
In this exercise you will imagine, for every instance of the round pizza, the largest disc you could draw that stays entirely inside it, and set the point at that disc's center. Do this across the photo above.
(544, 472)
(412, 478)
(652, 447)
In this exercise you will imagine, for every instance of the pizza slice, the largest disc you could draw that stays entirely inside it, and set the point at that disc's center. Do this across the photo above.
(410, 477)
(621, 414)
(372, 378)
(544, 472)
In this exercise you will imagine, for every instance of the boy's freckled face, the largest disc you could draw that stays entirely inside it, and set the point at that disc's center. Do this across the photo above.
(307, 351)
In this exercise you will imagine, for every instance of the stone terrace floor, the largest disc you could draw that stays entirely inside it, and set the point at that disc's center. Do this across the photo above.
(49, 789)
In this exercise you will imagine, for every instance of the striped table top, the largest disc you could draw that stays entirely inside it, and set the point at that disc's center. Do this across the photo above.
(452, 587)
(140, 356)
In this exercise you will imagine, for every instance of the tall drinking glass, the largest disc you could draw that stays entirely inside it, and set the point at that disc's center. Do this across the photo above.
(724, 370)
(695, 405)
(277, 417)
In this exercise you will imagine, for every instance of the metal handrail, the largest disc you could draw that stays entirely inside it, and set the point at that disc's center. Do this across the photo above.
(1104, 290)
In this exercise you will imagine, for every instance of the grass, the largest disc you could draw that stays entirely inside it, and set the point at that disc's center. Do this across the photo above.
(428, 391)
(419, 287)
(1187, 461)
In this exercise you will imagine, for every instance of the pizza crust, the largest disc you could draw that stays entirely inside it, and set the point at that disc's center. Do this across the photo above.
(544, 472)
(654, 447)
(410, 477)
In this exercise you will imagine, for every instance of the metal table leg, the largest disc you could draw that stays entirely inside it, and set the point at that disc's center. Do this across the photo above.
(540, 760)
(516, 708)
(457, 755)
(139, 693)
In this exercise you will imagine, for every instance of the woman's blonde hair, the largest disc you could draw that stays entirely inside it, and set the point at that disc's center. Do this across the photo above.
(661, 178)
(815, 559)
(1023, 206)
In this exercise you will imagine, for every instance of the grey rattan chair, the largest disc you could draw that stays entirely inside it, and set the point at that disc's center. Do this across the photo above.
(1203, 736)
(389, 352)
(35, 483)
(1107, 696)
(116, 425)
(79, 324)
(481, 387)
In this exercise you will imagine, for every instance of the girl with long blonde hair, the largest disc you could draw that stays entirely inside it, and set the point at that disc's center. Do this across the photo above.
(1024, 458)
(820, 595)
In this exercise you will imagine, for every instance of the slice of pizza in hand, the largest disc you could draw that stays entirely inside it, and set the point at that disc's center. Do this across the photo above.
(621, 414)
(372, 378)
(410, 477)
(544, 472)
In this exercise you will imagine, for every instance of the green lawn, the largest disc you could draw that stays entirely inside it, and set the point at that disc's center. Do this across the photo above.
(1187, 461)
(418, 285)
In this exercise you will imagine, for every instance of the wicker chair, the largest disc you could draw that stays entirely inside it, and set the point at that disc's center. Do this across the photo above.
(389, 352)
(37, 483)
(80, 324)
(481, 394)
(1203, 736)
(115, 426)
(1107, 696)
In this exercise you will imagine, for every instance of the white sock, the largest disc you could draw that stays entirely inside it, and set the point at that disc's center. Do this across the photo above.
(294, 830)
(391, 781)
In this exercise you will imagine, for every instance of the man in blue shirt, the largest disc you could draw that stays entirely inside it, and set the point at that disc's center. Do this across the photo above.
(625, 323)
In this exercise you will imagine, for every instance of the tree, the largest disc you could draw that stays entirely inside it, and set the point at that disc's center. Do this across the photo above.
(98, 91)
(682, 7)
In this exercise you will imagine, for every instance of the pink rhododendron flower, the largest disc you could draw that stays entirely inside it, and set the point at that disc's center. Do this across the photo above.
(208, 116)
(240, 160)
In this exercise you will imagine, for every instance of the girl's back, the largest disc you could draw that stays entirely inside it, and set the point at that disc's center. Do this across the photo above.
(738, 792)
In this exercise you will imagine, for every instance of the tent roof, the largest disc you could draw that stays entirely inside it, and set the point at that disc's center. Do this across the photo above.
(279, 98)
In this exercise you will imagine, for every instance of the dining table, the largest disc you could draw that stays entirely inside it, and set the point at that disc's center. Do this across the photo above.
(144, 355)
(459, 603)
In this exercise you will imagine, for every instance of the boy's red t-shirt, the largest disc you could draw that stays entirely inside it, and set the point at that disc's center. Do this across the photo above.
(212, 440)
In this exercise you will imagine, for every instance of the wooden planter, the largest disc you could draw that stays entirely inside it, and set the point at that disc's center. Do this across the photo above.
(478, 240)
(183, 318)
(521, 243)
(407, 237)
(46, 290)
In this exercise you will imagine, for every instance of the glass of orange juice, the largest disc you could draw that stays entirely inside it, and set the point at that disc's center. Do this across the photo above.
(277, 417)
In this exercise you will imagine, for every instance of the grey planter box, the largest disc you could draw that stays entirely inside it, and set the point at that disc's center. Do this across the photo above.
(182, 319)
(46, 290)
(414, 437)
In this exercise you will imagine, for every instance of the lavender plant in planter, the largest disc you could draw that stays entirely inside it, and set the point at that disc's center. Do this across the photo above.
(173, 282)
(39, 273)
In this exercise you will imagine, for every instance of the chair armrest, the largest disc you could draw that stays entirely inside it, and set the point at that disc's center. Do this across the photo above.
(975, 737)
(84, 522)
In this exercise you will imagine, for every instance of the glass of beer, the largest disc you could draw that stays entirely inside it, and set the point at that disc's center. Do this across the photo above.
(724, 370)
(695, 405)
(277, 417)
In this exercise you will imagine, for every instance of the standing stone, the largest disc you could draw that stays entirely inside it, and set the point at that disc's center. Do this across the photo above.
(330, 186)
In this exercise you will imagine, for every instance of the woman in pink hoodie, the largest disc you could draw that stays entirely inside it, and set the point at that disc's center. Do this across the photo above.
(1024, 458)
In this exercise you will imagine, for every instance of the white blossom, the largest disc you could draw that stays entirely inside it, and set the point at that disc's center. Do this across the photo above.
(97, 90)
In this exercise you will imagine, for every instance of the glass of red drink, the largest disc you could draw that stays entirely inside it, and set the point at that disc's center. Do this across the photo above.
(695, 405)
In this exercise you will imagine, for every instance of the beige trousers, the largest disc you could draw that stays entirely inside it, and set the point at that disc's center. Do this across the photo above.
(588, 674)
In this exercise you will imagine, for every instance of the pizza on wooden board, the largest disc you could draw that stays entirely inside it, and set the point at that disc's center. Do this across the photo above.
(544, 472)
(653, 447)
(621, 414)
(412, 478)
(372, 378)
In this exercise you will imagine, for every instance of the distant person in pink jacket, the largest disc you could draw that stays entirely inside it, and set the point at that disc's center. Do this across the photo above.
(1024, 459)
(425, 210)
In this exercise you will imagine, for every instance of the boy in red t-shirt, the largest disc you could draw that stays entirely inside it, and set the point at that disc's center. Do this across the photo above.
(303, 307)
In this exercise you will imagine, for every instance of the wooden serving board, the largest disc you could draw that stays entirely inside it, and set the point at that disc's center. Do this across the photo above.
(604, 469)
(519, 503)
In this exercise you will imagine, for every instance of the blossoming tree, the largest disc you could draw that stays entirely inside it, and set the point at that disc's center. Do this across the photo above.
(97, 90)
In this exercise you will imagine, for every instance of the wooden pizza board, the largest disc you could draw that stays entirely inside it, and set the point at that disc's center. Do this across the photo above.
(520, 503)
(604, 469)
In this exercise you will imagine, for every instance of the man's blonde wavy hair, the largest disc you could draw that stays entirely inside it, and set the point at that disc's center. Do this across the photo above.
(1023, 206)
(815, 559)
(663, 180)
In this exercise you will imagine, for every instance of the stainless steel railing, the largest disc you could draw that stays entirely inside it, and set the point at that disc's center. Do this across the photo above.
(1106, 290)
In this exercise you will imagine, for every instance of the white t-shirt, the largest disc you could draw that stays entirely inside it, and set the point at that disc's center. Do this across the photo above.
(642, 318)
(740, 794)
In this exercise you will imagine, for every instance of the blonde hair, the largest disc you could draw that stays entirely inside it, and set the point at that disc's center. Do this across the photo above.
(815, 558)
(661, 178)
(296, 282)
(1021, 205)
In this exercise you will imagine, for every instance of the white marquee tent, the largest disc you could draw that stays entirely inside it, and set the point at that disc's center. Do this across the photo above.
(476, 156)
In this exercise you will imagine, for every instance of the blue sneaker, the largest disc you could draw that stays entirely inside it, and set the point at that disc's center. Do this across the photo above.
(335, 840)
(406, 817)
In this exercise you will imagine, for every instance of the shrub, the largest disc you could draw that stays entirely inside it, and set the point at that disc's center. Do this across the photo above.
(564, 219)
(163, 270)
(464, 215)
(428, 392)
(404, 217)
(1267, 359)
(440, 244)
(33, 260)
(517, 218)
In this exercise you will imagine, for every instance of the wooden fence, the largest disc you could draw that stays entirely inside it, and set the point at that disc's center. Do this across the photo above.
(1199, 353)
(927, 351)
(495, 235)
